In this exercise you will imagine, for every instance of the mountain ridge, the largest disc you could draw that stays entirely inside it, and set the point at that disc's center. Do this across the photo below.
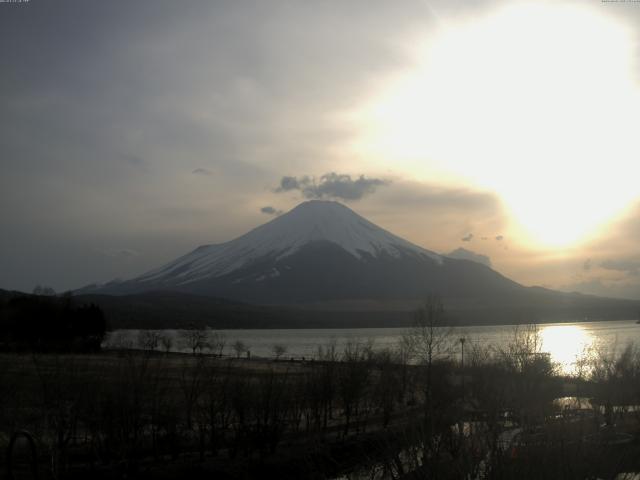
(323, 257)
(309, 222)
(318, 251)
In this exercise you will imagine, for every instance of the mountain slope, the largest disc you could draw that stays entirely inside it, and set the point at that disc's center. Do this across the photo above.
(308, 223)
(319, 251)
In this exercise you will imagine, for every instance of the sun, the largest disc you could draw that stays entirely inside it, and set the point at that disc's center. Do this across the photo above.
(536, 102)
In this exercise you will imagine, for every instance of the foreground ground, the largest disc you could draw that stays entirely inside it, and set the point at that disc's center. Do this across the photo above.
(351, 414)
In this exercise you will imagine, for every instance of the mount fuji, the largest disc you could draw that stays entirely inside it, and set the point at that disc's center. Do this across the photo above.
(319, 251)
(322, 265)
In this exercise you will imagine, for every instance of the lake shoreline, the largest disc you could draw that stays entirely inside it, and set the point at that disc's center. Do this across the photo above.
(566, 342)
(347, 326)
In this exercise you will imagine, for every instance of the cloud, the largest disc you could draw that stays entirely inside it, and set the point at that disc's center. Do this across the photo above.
(587, 265)
(331, 185)
(270, 211)
(292, 183)
(119, 253)
(629, 266)
(134, 160)
(202, 171)
(464, 254)
(468, 238)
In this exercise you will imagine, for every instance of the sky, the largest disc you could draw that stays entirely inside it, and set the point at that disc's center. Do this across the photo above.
(132, 132)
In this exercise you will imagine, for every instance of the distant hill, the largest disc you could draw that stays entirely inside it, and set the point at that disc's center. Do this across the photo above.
(157, 310)
(179, 310)
(464, 254)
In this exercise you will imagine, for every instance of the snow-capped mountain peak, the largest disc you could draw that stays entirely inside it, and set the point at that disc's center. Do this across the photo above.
(309, 222)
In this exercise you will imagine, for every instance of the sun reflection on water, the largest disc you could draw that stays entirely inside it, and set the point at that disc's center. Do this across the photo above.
(567, 345)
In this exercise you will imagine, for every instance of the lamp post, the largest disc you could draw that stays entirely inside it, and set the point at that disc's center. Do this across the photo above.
(462, 340)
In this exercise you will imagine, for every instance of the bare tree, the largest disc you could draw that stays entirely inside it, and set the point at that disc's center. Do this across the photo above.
(61, 392)
(616, 375)
(427, 341)
(353, 380)
(387, 383)
(278, 350)
(167, 342)
(194, 339)
(428, 337)
(328, 353)
(217, 341)
(191, 380)
(531, 375)
(239, 347)
(119, 340)
(149, 340)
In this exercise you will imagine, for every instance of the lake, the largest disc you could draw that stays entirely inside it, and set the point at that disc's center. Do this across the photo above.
(564, 342)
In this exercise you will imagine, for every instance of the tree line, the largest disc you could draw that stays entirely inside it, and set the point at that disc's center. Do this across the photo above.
(45, 321)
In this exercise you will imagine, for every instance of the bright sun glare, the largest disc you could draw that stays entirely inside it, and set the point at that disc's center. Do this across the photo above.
(536, 102)
(566, 344)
